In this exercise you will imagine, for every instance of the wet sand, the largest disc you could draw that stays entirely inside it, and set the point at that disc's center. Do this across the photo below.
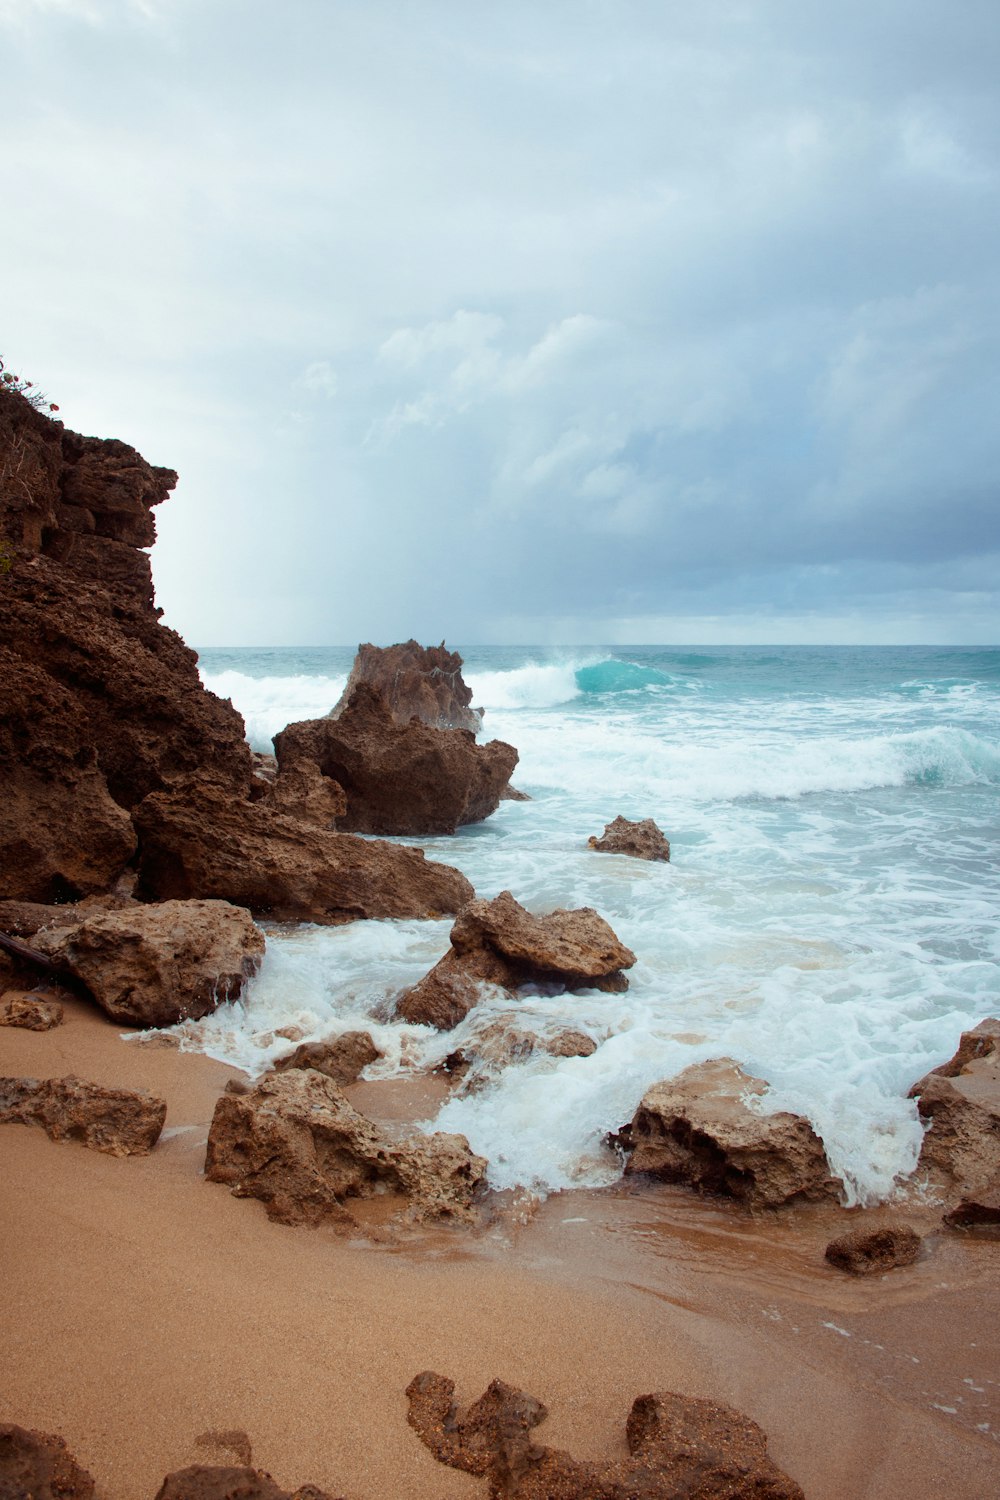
(142, 1306)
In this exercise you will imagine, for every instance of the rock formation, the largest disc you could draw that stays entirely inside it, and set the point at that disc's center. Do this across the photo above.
(30, 1011)
(416, 682)
(498, 942)
(201, 1482)
(697, 1129)
(343, 1059)
(156, 965)
(680, 1448)
(38, 1466)
(868, 1252)
(978, 1205)
(196, 841)
(102, 709)
(297, 1144)
(120, 1122)
(960, 1101)
(397, 778)
(642, 840)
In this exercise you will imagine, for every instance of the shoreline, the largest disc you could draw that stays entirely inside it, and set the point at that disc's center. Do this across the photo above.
(145, 1306)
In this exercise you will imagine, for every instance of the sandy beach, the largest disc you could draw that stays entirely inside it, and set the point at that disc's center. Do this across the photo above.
(144, 1306)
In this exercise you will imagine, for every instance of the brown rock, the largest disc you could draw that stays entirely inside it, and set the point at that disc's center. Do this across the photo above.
(232, 1440)
(302, 791)
(199, 842)
(642, 840)
(397, 778)
(571, 1044)
(977, 1206)
(868, 1252)
(697, 1129)
(120, 1122)
(200, 1482)
(156, 965)
(498, 942)
(30, 1011)
(297, 1144)
(342, 1059)
(504, 1042)
(416, 682)
(961, 1103)
(39, 1466)
(680, 1448)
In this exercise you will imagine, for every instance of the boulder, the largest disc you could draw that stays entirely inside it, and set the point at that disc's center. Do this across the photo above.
(416, 682)
(201, 1482)
(500, 943)
(39, 1466)
(297, 1144)
(680, 1448)
(960, 1102)
(30, 1011)
(156, 965)
(868, 1252)
(642, 840)
(697, 1129)
(343, 1059)
(120, 1122)
(199, 842)
(397, 778)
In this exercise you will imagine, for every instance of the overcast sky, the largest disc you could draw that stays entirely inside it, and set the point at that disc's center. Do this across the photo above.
(602, 321)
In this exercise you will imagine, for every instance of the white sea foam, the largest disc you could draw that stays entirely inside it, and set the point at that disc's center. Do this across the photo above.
(269, 703)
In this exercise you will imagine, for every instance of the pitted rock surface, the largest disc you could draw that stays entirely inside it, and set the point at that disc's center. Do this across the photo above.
(642, 840)
(119, 1122)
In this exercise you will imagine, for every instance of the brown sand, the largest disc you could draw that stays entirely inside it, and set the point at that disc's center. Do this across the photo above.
(142, 1305)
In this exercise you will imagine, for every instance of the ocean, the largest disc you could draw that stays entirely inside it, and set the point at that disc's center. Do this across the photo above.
(829, 917)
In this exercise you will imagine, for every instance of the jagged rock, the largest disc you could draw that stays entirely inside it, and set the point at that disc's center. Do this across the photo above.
(156, 965)
(961, 1103)
(642, 840)
(29, 1011)
(570, 1043)
(698, 1130)
(342, 1059)
(120, 1122)
(498, 942)
(302, 791)
(24, 918)
(417, 682)
(200, 1482)
(868, 1252)
(504, 1042)
(197, 841)
(39, 1466)
(977, 1206)
(297, 1144)
(680, 1448)
(398, 778)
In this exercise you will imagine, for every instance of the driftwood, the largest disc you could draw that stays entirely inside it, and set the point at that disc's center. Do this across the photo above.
(20, 950)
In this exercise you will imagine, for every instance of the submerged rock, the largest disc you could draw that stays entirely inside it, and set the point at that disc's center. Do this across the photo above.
(960, 1102)
(416, 682)
(39, 1466)
(680, 1448)
(868, 1252)
(397, 778)
(156, 965)
(343, 1059)
(119, 1122)
(498, 942)
(642, 840)
(697, 1129)
(296, 1143)
(198, 842)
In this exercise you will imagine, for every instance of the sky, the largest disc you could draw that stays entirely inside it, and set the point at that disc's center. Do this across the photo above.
(609, 321)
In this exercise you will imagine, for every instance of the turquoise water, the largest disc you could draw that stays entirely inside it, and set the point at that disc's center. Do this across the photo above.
(829, 916)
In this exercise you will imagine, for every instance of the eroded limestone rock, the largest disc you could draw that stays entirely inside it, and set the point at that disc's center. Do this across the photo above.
(680, 1448)
(960, 1101)
(29, 1011)
(869, 1252)
(296, 1143)
(159, 964)
(642, 840)
(698, 1129)
(498, 942)
(343, 1059)
(39, 1466)
(417, 682)
(119, 1122)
